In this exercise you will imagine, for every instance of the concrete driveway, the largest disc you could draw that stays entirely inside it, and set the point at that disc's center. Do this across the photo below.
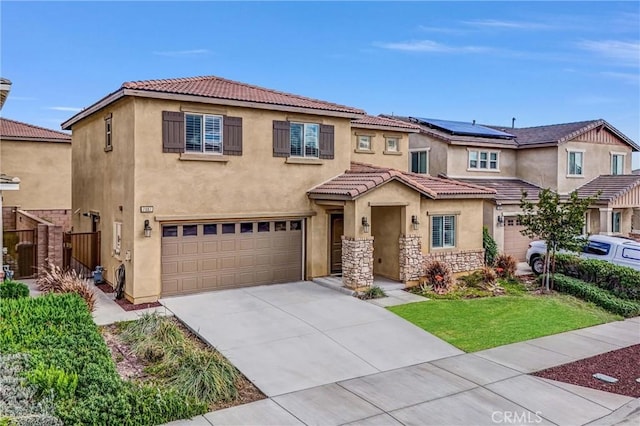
(295, 336)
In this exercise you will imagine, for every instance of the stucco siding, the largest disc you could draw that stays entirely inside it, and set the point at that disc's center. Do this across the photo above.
(44, 169)
(539, 166)
(458, 162)
(438, 152)
(377, 153)
(469, 218)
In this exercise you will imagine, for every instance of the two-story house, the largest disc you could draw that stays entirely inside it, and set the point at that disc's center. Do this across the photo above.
(585, 156)
(204, 183)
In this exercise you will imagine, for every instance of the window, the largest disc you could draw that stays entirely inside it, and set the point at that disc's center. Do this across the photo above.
(170, 231)
(419, 162)
(117, 237)
(597, 248)
(295, 225)
(190, 230)
(281, 226)
(210, 229)
(443, 231)
(616, 218)
(631, 253)
(483, 160)
(391, 144)
(228, 228)
(617, 164)
(304, 140)
(203, 133)
(575, 163)
(364, 143)
(108, 143)
(246, 228)
(264, 226)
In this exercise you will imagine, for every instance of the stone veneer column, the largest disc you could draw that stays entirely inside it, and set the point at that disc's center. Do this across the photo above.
(357, 262)
(410, 257)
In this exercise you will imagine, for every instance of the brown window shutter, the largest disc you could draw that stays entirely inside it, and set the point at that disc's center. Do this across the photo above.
(172, 131)
(232, 135)
(281, 139)
(326, 142)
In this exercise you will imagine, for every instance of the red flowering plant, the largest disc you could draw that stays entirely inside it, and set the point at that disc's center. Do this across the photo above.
(437, 277)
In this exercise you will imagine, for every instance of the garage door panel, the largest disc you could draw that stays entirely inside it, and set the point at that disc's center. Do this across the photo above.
(515, 244)
(200, 262)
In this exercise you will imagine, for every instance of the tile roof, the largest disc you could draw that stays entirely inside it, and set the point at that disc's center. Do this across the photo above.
(507, 189)
(11, 129)
(221, 88)
(361, 178)
(612, 186)
(636, 172)
(369, 121)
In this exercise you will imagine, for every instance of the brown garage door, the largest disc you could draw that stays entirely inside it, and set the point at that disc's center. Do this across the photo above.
(515, 243)
(212, 256)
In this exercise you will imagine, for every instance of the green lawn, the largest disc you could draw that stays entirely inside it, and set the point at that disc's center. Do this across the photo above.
(476, 324)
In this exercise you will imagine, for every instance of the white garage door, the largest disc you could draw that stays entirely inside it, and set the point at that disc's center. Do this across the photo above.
(212, 256)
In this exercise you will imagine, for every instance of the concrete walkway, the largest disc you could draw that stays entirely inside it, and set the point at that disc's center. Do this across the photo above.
(330, 359)
(295, 336)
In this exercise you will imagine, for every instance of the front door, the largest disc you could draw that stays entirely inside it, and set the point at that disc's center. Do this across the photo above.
(337, 229)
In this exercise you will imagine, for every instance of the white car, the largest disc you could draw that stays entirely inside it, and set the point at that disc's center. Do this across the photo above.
(617, 250)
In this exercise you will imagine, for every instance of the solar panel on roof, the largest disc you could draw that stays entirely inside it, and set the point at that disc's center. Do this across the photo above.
(463, 128)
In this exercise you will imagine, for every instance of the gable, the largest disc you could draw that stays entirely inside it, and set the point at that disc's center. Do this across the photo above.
(601, 136)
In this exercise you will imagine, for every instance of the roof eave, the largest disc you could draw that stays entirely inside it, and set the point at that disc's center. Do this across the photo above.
(381, 127)
(106, 101)
(34, 139)
(338, 197)
(465, 196)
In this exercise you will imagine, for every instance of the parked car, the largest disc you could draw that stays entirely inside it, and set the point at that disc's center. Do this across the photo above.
(617, 250)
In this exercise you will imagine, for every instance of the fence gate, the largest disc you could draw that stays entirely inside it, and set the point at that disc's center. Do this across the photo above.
(81, 251)
(22, 252)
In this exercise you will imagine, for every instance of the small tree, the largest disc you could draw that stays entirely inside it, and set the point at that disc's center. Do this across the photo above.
(490, 247)
(558, 222)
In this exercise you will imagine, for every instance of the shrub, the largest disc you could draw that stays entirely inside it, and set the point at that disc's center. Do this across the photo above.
(490, 247)
(596, 295)
(373, 292)
(505, 266)
(13, 290)
(437, 277)
(58, 333)
(53, 382)
(53, 279)
(622, 281)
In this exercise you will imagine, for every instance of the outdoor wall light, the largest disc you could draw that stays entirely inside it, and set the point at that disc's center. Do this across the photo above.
(500, 220)
(415, 222)
(499, 206)
(365, 225)
(147, 228)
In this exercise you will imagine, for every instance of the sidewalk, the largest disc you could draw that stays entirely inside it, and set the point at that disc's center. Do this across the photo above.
(487, 387)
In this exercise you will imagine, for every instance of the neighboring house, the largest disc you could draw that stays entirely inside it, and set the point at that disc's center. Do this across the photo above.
(41, 158)
(563, 157)
(205, 183)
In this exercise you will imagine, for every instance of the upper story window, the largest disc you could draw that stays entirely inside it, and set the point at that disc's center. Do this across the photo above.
(617, 164)
(304, 140)
(443, 231)
(420, 162)
(364, 143)
(203, 133)
(484, 160)
(392, 144)
(575, 163)
(108, 141)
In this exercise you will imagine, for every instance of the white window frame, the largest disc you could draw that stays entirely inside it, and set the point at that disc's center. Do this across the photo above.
(488, 153)
(419, 151)
(108, 133)
(613, 222)
(443, 231)
(217, 147)
(621, 157)
(117, 237)
(367, 146)
(307, 141)
(391, 144)
(574, 152)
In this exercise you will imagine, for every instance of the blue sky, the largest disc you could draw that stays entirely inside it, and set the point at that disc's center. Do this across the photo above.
(541, 62)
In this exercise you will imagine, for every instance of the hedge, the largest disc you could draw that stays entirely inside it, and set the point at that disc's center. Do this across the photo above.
(69, 360)
(622, 281)
(596, 295)
(13, 290)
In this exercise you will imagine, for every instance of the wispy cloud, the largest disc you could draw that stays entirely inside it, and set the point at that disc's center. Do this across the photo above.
(510, 25)
(64, 108)
(181, 53)
(430, 46)
(442, 30)
(630, 78)
(626, 52)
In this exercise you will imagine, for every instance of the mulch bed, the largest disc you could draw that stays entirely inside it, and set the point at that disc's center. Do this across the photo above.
(623, 364)
(124, 303)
